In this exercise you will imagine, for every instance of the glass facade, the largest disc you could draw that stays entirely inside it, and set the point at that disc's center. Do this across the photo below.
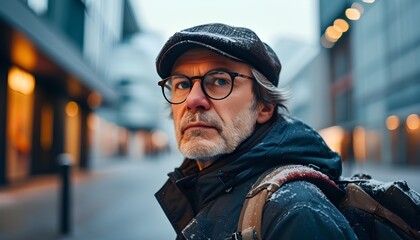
(53, 57)
(381, 51)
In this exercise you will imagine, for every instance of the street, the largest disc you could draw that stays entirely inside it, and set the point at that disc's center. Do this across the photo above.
(115, 201)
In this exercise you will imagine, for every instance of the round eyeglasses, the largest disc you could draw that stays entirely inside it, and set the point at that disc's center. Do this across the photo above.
(216, 85)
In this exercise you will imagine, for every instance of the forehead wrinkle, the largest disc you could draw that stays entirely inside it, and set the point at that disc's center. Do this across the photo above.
(198, 68)
(201, 63)
(204, 57)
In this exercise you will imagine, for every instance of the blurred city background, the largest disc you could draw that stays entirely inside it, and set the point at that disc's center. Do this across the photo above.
(78, 77)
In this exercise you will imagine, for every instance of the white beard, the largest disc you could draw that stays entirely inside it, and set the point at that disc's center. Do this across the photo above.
(199, 145)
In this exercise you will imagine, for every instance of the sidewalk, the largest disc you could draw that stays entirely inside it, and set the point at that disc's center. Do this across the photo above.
(114, 201)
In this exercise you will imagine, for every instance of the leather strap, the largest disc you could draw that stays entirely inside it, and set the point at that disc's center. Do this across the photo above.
(249, 224)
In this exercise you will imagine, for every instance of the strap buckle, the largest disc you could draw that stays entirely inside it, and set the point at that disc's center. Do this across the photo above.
(236, 236)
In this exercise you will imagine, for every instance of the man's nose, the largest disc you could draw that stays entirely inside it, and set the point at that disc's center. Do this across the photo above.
(196, 99)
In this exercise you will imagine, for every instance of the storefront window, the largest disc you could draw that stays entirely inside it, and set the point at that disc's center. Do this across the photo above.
(20, 101)
(72, 131)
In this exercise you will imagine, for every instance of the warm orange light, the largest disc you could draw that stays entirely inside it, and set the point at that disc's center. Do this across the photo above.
(341, 25)
(21, 81)
(359, 143)
(369, 1)
(94, 100)
(331, 40)
(392, 122)
(23, 52)
(413, 122)
(72, 109)
(359, 7)
(353, 14)
(72, 131)
(333, 137)
(332, 34)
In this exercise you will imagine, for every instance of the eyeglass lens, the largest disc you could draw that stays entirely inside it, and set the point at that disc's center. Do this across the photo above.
(215, 84)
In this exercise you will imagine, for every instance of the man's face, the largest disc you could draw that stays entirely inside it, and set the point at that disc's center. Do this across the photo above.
(206, 128)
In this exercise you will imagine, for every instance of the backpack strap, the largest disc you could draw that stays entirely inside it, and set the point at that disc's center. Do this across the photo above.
(249, 224)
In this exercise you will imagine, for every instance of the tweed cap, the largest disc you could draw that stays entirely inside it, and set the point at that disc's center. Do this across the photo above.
(236, 43)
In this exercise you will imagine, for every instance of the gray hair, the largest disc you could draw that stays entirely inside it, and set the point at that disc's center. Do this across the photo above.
(267, 93)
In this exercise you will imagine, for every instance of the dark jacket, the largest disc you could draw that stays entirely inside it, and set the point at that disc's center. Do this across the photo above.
(206, 204)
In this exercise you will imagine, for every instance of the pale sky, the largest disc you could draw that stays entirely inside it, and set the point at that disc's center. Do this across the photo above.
(270, 19)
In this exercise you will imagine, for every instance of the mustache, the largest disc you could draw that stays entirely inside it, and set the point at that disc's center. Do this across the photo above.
(203, 117)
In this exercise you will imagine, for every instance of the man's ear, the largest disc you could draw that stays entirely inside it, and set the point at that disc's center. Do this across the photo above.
(265, 112)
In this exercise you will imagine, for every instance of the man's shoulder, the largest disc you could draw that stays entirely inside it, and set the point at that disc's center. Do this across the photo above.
(300, 210)
(298, 192)
(305, 200)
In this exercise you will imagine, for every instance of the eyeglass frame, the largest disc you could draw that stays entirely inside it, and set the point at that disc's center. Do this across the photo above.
(232, 75)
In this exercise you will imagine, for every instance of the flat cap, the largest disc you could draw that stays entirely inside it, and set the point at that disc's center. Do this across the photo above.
(237, 43)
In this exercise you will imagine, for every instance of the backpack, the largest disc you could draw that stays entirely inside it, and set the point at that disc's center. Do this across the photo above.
(374, 209)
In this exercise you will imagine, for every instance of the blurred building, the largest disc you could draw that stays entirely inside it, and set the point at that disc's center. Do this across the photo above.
(373, 50)
(141, 108)
(54, 73)
(304, 78)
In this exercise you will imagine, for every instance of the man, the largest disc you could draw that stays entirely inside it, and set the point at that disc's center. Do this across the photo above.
(231, 127)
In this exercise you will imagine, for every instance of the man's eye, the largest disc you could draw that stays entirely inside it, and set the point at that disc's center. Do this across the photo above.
(220, 82)
(182, 85)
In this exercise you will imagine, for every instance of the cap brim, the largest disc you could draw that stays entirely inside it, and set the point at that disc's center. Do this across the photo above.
(168, 58)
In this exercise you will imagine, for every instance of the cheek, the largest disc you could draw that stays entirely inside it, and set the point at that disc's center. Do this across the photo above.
(175, 112)
(230, 109)
(176, 116)
(243, 95)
